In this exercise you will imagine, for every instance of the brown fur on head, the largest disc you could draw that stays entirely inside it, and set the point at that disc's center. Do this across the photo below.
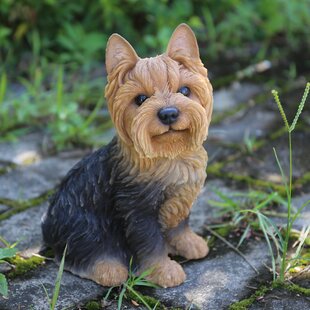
(159, 78)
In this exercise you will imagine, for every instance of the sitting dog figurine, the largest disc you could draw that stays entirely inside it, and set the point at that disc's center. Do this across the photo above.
(132, 198)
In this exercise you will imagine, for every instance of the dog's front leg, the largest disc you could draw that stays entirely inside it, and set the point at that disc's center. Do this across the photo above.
(174, 215)
(147, 243)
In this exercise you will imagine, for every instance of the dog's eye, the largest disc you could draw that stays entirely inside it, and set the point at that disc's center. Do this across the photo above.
(184, 90)
(140, 99)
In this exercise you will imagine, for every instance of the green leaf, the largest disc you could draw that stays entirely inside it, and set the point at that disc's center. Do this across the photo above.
(3, 285)
(7, 252)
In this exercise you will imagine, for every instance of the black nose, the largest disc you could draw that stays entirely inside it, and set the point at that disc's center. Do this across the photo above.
(168, 115)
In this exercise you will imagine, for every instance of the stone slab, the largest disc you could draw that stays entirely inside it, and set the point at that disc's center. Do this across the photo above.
(262, 163)
(253, 123)
(28, 293)
(303, 221)
(24, 228)
(27, 182)
(3, 208)
(203, 213)
(217, 281)
(10, 151)
(227, 98)
(281, 299)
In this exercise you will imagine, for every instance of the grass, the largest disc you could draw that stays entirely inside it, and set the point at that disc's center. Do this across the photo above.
(288, 184)
(69, 109)
(251, 210)
(52, 301)
(128, 289)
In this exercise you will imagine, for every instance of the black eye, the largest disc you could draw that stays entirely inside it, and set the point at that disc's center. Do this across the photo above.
(140, 99)
(184, 90)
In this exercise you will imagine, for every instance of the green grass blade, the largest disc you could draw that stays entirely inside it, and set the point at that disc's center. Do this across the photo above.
(93, 114)
(228, 200)
(3, 285)
(58, 280)
(3, 86)
(47, 296)
(277, 100)
(264, 230)
(108, 293)
(59, 89)
(304, 235)
(245, 233)
(300, 107)
(278, 242)
(282, 172)
(138, 296)
(146, 283)
(265, 202)
(120, 298)
(296, 215)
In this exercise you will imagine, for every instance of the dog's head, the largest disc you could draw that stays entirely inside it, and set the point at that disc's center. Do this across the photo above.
(160, 105)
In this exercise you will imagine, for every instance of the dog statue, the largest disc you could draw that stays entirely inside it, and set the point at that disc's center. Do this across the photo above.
(132, 198)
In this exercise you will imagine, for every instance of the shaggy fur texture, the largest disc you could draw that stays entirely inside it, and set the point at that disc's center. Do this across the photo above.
(133, 197)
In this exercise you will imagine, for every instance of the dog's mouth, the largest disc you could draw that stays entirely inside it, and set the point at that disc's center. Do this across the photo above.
(171, 134)
(173, 131)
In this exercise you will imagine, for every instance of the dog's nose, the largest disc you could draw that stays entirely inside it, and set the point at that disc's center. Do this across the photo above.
(168, 115)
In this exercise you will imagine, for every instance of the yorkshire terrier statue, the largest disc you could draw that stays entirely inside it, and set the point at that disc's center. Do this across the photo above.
(132, 198)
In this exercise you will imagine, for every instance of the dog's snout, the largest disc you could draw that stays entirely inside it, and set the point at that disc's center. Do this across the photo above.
(168, 115)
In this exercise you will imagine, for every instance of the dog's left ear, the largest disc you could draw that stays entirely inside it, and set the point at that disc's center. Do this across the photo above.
(183, 43)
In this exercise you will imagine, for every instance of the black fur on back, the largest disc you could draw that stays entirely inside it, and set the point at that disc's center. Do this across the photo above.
(100, 217)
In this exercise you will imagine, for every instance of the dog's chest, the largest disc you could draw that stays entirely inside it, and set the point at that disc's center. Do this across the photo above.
(187, 170)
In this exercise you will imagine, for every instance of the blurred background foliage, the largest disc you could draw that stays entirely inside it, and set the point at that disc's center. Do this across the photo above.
(76, 31)
(54, 49)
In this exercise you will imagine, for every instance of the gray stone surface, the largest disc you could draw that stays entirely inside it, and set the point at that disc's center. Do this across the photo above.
(3, 208)
(303, 220)
(27, 182)
(203, 213)
(281, 299)
(28, 293)
(24, 228)
(218, 281)
(262, 164)
(253, 123)
(227, 98)
(212, 283)
(10, 151)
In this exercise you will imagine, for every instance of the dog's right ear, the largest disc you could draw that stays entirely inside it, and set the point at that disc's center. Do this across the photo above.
(119, 51)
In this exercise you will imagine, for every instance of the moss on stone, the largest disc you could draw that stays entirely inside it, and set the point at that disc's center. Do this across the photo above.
(292, 288)
(93, 305)
(24, 265)
(151, 301)
(305, 179)
(245, 303)
(17, 206)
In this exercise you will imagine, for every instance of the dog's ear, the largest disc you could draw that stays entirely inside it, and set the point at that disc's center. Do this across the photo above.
(183, 43)
(119, 51)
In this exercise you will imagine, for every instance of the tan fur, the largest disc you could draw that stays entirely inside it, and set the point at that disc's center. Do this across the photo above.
(109, 273)
(166, 272)
(189, 245)
(152, 151)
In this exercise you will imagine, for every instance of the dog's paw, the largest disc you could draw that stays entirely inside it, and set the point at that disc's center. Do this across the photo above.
(109, 273)
(167, 273)
(189, 245)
